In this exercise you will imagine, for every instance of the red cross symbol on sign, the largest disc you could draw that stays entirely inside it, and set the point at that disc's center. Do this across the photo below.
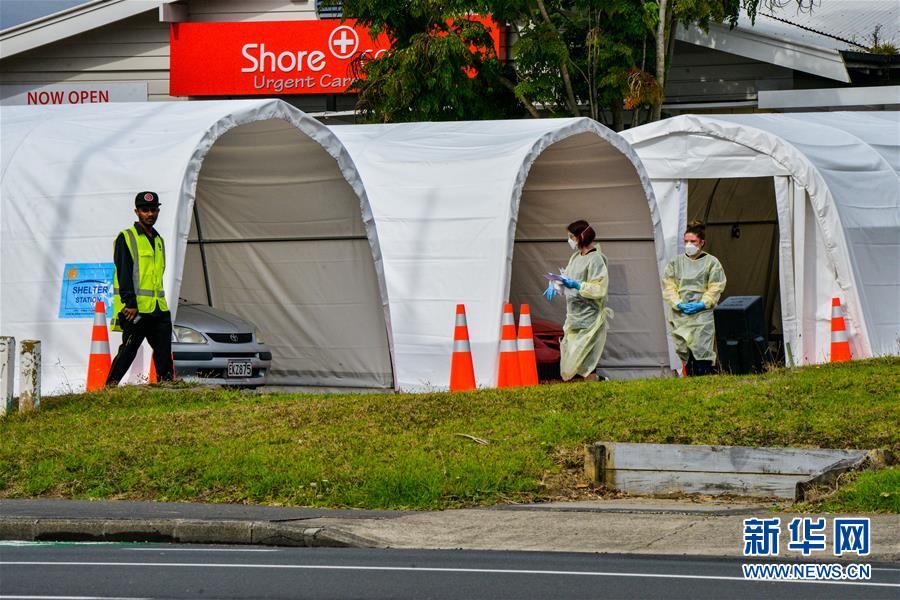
(343, 42)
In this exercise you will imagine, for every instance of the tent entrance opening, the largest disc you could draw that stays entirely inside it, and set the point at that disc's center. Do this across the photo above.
(585, 177)
(742, 232)
(277, 238)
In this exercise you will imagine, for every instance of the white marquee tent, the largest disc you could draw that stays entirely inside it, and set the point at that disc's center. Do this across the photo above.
(476, 213)
(801, 208)
(348, 247)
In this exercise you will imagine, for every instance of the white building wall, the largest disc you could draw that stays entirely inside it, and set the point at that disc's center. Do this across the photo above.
(210, 11)
(135, 49)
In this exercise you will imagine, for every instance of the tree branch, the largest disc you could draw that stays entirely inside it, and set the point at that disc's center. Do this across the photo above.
(563, 67)
(660, 56)
(528, 105)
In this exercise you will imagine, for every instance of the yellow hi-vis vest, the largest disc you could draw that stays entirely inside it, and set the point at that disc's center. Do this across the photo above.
(147, 275)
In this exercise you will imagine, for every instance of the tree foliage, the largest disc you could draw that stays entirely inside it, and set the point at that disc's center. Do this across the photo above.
(441, 65)
(595, 58)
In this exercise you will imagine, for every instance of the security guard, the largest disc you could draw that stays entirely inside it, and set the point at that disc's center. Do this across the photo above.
(140, 304)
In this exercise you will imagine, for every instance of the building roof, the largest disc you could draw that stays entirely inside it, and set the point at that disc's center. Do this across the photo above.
(69, 22)
(837, 24)
(771, 48)
(807, 40)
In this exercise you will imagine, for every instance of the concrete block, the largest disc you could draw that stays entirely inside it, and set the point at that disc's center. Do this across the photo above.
(738, 470)
(12, 528)
(29, 376)
(143, 530)
(213, 532)
(7, 374)
(273, 533)
(69, 530)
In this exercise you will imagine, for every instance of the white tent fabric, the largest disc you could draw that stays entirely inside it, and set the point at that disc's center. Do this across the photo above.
(838, 203)
(273, 209)
(475, 213)
(274, 187)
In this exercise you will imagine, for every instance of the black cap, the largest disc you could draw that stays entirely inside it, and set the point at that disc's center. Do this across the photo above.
(145, 199)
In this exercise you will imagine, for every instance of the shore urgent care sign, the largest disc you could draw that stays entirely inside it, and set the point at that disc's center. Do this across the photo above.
(270, 57)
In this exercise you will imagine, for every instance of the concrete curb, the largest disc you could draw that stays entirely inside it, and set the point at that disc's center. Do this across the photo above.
(184, 531)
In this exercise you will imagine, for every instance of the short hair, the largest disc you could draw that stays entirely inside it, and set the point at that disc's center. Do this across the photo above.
(583, 232)
(698, 228)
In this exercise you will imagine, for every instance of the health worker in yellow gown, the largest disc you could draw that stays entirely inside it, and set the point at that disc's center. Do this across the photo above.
(585, 285)
(692, 285)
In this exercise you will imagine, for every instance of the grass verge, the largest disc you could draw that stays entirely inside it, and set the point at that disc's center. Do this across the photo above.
(405, 451)
(862, 491)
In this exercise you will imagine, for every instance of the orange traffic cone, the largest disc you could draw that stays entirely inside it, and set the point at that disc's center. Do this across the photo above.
(510, 375)
(100, 360)
(525, 346)
(840, 341)
(462, 373)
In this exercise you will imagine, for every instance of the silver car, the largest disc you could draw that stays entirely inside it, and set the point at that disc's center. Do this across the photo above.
(215, 347)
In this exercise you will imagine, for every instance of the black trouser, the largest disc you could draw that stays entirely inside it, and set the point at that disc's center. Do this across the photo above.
(156, 327)
(696, 367)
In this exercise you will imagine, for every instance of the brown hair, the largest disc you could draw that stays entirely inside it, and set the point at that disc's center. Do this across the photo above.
(583, 232)
(698, 228)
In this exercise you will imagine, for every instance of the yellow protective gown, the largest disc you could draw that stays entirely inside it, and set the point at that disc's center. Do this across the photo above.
(587, 316)
(698, 280)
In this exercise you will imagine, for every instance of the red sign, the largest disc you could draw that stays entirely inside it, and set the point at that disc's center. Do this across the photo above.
(270, 57)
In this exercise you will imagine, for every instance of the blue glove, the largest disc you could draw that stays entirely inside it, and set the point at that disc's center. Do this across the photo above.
(694, 307)
(681, 306)
(571, 283)
(550, 292)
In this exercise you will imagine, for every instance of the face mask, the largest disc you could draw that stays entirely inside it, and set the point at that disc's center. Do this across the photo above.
(572, 244)
(691, 249)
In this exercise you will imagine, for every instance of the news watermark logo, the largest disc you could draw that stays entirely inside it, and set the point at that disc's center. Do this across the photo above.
(807, 536)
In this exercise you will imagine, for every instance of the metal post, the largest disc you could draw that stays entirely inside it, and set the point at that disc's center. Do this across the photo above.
(29, 375)
(7, 373)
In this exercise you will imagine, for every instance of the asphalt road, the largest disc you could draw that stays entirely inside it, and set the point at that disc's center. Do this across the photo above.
(83, 571)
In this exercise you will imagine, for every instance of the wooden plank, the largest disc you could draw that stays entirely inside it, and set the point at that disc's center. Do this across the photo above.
(675, 468)
(93, 64)
(714, 484)
(57, 77)
(722, 459)
(242, 6)
(827, 477)
(102, 50)
(734, 72)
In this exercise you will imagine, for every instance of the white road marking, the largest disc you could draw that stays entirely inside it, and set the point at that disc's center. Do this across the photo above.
(23, 543)
(435, 570)
(5, 597)
(150, 549)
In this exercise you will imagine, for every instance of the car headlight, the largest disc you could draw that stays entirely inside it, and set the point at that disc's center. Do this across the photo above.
(186, 335)
(259, 337)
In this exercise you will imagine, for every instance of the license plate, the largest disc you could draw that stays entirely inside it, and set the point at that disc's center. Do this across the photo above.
(240, 368)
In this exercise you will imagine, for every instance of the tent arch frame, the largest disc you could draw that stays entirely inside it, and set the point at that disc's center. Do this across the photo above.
(786, 156)
(319, 133)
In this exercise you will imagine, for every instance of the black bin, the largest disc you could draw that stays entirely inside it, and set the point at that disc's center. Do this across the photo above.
(741, 335)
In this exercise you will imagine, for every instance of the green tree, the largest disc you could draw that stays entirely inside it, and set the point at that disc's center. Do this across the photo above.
(441, 65)
(593, 58)
(579, 57)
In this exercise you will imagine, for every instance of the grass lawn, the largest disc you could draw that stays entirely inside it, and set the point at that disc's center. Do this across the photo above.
(863, 491)
(404, 451)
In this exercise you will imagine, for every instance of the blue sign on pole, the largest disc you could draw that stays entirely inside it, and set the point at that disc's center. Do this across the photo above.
(83, 285)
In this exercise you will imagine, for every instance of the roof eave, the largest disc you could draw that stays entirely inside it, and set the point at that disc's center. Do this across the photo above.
(69, 22)
(823, 62)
